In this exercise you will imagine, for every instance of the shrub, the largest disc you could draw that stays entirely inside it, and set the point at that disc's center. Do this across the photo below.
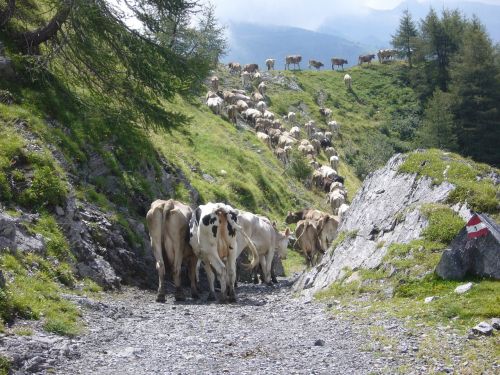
(444, 224)
(47, 189)
(299, 167)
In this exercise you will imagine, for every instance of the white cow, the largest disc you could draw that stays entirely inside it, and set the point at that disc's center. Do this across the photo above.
(342, 210)
(262, 88)
(348, 81)
(266, 238)
(215, 104)
(295, 131)
(334, 162)
(213, 229)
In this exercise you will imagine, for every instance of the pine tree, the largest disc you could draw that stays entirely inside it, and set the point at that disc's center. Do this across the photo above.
(438, 127)
(475, 87)
(405, 38)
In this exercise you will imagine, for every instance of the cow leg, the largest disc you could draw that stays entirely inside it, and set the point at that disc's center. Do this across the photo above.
(231, 271)
(269, 263)
(175, 253)
(273, 271)
(155, 221)
(192, 276)
(211, 280)
(220, 270)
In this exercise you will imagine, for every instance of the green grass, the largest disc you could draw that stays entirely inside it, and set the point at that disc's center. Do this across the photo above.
(34, 293)
(294, 262)
(56, 244)
(463, 173)
(444, 223)
(4, 365)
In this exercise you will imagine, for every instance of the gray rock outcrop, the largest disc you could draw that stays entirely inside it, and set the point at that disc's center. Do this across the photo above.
(385, 211)
(478, 257)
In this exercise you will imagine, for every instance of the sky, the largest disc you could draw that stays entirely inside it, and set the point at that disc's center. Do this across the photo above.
(307, 14)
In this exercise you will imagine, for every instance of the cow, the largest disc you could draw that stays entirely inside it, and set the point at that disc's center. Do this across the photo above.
(330, 151)
(232, 113)
(334, 126)
(234, 67)
(305, 214)
(291, 117)
(246, 78)
(292, 59)
(309, 128)
(257, 97)
(386, 54)
(342, 210)
(308, 240)
(348, 82)
(334, 161)
(315, 64)
(215, 83)
(229, 97)
(270, 64)
(365, 58)
(168, 225)
(241, 105)
(262, 88)
(317, 145)
(325, 112)
(338, 62)
(261, 106)
(281, 155)
(213, 237)
(336, 198)
(327, 230)
(266, 238)
(215, 104)
(251, 68)
(295, 131)
(264, 138)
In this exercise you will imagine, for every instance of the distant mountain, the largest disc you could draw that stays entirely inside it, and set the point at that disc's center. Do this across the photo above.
(375, 27)
(253, 43)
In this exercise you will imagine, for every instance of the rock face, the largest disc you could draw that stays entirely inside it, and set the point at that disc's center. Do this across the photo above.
(472, 257)
(385, 211)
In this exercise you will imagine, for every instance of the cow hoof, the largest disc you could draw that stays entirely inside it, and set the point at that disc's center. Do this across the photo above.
(275, 280)
(211, 297)
(160, 298)
(180, 298)
(231, 298)
(269, 283)
(195, 295)
(255, 281)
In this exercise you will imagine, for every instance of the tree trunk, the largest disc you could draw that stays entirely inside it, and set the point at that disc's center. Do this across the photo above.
(30, 41)
(6, 14)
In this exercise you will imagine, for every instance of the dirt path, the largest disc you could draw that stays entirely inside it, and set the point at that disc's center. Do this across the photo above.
(267, 331)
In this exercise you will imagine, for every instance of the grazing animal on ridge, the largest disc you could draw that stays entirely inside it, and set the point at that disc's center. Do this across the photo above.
(215, 83)
(365, 58)
(305, 214)
(251, 68)
(315, 64)
(270, 64)
(338, 62)
(262, 88)
(168, 225)
(234, 67)
(292, 59)
(348, 82)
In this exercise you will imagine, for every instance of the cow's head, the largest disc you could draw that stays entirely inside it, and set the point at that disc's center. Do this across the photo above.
(281, 243)
(293, 217)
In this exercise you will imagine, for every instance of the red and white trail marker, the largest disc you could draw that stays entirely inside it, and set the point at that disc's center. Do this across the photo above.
(476, 228)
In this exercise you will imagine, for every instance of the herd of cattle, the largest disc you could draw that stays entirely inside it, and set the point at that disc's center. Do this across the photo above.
(215, 234)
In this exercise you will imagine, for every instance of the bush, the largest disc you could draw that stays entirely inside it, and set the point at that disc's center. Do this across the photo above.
(444, 224)
(299, 167)
(47, 189)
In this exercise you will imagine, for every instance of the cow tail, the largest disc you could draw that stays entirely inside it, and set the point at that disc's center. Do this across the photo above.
(253, 249)
(223, 242)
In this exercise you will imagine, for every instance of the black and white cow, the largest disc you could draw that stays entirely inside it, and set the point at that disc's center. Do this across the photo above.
(212, 232)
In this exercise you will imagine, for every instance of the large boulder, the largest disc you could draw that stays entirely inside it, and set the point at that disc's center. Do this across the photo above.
(472, 257)
(385, 211)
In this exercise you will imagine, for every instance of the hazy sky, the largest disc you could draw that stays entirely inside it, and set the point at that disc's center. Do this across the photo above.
(308, 14)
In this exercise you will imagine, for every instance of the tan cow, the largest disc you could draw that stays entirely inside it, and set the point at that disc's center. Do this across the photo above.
(270, 64)
(292, 59)
(168, 224)
(308, 240)
(305, 214)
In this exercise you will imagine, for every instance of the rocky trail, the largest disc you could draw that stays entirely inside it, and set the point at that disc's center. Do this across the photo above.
(267, 331)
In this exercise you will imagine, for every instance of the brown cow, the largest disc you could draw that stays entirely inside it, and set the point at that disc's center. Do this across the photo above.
(305, 214)
(168, 224)
(251, 68)
(292, 59)
(308, 240)
(338, 62)
(234, 67)
(316, 64)
(365, 58)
